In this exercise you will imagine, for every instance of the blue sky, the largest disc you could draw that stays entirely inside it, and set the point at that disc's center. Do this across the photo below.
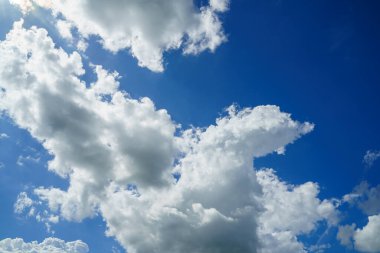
(317, 60)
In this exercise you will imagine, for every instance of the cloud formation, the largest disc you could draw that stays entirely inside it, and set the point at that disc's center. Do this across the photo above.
(367, 238)
(291, 211)
(147, 28)
(49, 245)
(370, 157)
(364, 239)
(3, 136)
(366, 198)
(120, 154)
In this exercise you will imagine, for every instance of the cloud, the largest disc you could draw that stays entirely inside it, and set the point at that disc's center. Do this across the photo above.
(119, 155)
(370, 157)
(367, 238)
(49, 245)
(64, 29)
(23, 202)
(25, 206)
(22, 159)
(364, 239)
(319, 248)
(291, 211)
(147, 28)
(3, 136)
(345, 234)
(365, 197)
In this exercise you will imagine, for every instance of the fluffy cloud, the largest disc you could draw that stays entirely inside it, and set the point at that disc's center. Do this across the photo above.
(92, 140)
(22, 203)
(49, 245)
(290, 211)
(120, 154)
(146, 28)
(370, 157)
(367, 238)
(364, 239)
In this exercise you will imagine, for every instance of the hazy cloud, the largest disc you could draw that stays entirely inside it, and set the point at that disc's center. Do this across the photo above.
(370, 157)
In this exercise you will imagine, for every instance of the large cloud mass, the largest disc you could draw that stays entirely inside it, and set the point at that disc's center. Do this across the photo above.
(120, 154)
(146, 28)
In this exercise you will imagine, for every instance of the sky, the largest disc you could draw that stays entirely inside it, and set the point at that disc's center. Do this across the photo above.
(189, 126)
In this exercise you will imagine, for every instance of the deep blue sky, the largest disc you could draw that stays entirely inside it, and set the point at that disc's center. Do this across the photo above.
(318, 60)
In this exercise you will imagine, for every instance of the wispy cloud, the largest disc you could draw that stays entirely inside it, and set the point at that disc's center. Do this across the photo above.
(22, 159)
(4, 136)
(370, 157)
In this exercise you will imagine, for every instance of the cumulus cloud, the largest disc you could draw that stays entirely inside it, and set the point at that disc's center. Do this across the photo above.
(146, 28)
(370, 157)
(120, 154)
(291, 211)
(49, 245)
(367, 238)
(364, 239)
(92, 140)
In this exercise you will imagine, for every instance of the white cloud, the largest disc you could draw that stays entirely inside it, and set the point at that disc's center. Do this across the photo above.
(319, 248)
(22, 159)
(93, 141)
(82, 45)
(107, 83)
(119, 154)
(367, 238)
(365, 197)
(364, 239)
(345, 234)
(147, 28)
(22, 203)
(290, 211)
(64, 29)
(49, 245)
(370, 157)
(220, 5)
(3, 136)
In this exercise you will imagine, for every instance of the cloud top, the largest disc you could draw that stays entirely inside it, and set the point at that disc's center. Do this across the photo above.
(49, 245)
(147, 29)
